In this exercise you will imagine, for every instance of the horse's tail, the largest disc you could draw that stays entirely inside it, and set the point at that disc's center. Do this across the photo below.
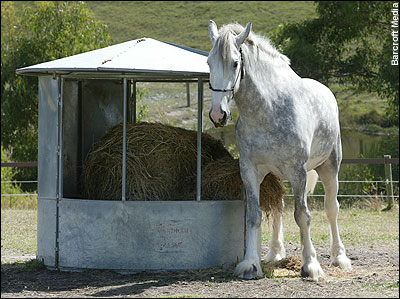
(312, 179)
(272, 192)
(271, 195)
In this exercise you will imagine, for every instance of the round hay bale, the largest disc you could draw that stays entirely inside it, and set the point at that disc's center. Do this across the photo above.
(160, 162)
(221, 181)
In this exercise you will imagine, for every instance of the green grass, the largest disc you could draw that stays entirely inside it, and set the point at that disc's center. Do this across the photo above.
(28, 202)
(19, 231)
(356, 226)
(186, 22)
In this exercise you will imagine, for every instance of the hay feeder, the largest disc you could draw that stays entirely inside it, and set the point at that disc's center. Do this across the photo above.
(80, 98)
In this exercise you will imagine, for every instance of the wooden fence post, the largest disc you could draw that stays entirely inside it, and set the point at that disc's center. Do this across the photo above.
(389, 183)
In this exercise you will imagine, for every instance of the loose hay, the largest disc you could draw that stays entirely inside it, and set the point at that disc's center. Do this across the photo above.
(161, 163)
(221, 180)
(290, 266)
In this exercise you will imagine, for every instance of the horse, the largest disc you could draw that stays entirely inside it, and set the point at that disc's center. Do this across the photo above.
(287, 126)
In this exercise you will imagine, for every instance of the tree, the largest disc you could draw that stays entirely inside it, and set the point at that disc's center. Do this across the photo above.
(48, 31)
(349, 42)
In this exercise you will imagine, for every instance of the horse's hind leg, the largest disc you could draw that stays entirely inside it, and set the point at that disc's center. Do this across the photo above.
(276, 246)
(311, 267)
(328, 173)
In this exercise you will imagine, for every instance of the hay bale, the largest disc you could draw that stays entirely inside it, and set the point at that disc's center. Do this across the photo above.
(221, 180)
(160, 162)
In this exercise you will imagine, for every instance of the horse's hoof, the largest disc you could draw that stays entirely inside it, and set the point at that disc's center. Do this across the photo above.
(272, 258)
(343, 262)
(312, 270)
(248, 270)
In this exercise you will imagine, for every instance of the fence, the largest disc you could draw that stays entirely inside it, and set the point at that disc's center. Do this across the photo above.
(387, 161)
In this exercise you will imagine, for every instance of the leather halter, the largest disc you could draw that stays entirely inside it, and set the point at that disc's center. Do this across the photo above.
(232, 89)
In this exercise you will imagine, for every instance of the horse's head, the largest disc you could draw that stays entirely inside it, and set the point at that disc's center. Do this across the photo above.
(226, 70)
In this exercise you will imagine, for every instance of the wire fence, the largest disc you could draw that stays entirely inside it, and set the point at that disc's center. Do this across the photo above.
(24, 200)
(390, 192)
(376, 195)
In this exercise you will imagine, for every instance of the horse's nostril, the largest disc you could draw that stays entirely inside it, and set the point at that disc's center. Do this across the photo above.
(224, 118)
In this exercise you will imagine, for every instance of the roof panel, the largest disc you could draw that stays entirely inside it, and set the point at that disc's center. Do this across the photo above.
(145, 55)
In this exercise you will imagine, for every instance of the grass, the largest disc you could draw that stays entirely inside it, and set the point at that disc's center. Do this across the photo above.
(357, 227)
(19, 231)
(186, 22)
(28, 202)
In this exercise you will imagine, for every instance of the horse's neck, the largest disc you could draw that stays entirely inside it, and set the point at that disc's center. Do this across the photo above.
(261, 90)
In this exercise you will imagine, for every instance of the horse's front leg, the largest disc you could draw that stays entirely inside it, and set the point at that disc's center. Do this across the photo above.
(311, 267)
(250, 267)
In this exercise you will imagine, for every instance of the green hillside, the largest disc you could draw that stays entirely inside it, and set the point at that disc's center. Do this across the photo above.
(185, 22)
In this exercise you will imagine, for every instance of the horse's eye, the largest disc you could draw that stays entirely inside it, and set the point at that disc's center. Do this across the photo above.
(235, 64)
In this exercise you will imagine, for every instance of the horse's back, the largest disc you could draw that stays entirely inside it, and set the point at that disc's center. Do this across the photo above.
(321, 95)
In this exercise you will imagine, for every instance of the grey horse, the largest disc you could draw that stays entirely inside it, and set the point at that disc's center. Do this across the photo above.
(288, 126)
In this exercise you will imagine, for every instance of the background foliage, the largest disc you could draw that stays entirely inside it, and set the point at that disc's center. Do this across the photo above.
(350, 42)
(48, 31)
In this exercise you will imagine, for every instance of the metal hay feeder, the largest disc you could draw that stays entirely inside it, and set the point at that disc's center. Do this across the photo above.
(80, 97)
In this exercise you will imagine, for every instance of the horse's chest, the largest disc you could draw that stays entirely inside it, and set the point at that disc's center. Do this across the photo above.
(255, 143)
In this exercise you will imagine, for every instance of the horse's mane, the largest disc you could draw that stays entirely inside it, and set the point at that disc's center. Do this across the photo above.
(253, 40)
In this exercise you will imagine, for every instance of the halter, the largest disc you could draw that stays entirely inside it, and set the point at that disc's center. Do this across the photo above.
(237, 77)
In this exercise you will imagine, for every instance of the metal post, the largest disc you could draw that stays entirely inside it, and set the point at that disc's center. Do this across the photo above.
(133, 119)
(124, 144)
(59, 193)
(199, 133)
(60, 140)
(389, 183)
(188, 94)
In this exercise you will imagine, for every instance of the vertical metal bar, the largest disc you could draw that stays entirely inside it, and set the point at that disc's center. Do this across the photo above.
(60, 83)
(80, 138)
(134, 101)
(60, 149)
(199, 133)
(124, 143)
(128, 98)
(188, 94)
(389, 183)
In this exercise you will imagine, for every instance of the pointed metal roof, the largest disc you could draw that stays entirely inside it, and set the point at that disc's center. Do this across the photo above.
(145, 56)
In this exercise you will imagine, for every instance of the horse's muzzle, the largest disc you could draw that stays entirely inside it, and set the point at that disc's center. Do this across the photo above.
(222, 121)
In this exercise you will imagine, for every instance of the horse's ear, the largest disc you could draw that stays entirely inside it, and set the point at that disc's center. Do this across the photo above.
(213, 31)
(242, 36)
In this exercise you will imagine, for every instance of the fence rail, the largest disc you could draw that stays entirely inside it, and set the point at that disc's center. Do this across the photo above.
(344, 161)
(387, 161)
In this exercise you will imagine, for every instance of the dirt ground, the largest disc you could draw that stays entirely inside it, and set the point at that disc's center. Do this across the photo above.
(375, 273)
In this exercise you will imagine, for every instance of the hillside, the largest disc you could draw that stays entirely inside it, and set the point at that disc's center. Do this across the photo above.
(186, 22)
